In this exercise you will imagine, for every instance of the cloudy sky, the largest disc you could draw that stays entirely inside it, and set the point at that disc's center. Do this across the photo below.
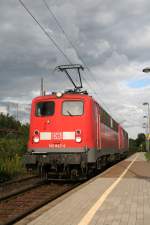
(111, 37)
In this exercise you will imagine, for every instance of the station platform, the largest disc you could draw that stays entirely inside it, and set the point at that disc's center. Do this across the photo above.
(118, 196)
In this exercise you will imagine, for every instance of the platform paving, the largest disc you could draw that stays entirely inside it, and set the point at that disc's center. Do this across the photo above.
(127, 204)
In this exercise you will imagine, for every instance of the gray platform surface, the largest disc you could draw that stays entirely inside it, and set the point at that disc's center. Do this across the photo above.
(127, 204)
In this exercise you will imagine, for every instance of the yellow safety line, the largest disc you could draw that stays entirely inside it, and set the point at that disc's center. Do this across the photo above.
(90, 214)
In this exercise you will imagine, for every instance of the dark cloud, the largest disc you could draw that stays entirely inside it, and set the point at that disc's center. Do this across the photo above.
(112, 37)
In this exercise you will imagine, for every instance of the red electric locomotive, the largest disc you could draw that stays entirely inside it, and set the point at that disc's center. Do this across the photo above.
(71, 135)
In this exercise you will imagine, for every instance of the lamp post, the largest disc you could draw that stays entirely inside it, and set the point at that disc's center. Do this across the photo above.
(147, 70)
(148, 124)
(145, 126)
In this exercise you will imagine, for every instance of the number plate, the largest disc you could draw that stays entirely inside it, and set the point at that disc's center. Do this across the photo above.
(57, 145)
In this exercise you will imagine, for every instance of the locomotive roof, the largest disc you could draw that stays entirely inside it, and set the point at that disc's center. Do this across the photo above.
(64, 95)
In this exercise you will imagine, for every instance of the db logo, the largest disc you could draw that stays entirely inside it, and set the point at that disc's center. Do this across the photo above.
(57, 135)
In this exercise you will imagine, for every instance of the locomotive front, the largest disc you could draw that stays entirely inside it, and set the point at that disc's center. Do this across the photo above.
(58, 143)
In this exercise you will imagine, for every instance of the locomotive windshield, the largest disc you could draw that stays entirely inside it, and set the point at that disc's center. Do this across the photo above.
(72, 108)
(45, 108)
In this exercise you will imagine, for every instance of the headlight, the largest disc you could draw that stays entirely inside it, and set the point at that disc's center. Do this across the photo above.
(58, 94)
(36, 139)
(78, 139)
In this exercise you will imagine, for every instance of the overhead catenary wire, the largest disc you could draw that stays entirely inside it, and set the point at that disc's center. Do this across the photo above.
(76, 50)
(63, 31)
(58, 47)
(45, 32)
(66, 36)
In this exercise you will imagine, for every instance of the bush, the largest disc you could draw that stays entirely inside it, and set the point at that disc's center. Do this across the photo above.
(10, 167)
(10, 147)
(147, 155)
(13, 144)
(11, 152)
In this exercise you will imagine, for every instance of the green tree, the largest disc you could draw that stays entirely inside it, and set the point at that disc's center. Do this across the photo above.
(140, 141)
(132, 145)
(13, 144)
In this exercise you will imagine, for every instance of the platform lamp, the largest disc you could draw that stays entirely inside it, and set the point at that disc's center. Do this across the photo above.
(146, 70)
(148, 124)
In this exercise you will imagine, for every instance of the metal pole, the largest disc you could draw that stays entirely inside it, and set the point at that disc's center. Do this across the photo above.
(148, 126)
(17, 109)
(145, 125)
(147, 131)
(146, 146)
(42, 87)
(8, 108)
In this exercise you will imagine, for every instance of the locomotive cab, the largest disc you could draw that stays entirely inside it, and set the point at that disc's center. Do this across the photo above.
(60, 134)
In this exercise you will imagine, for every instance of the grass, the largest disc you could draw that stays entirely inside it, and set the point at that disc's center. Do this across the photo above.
(147, 156)
(11, 167)
(11, 152)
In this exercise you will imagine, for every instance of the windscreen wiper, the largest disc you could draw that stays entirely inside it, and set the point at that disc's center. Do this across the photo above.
(69, 113)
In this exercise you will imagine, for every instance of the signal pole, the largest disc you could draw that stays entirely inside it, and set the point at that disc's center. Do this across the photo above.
(42, 87)
(8, 108)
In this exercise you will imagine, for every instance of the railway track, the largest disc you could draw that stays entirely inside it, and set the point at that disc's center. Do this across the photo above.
(25, 178)
(21, 202)
(16, 206)
(14, 187)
